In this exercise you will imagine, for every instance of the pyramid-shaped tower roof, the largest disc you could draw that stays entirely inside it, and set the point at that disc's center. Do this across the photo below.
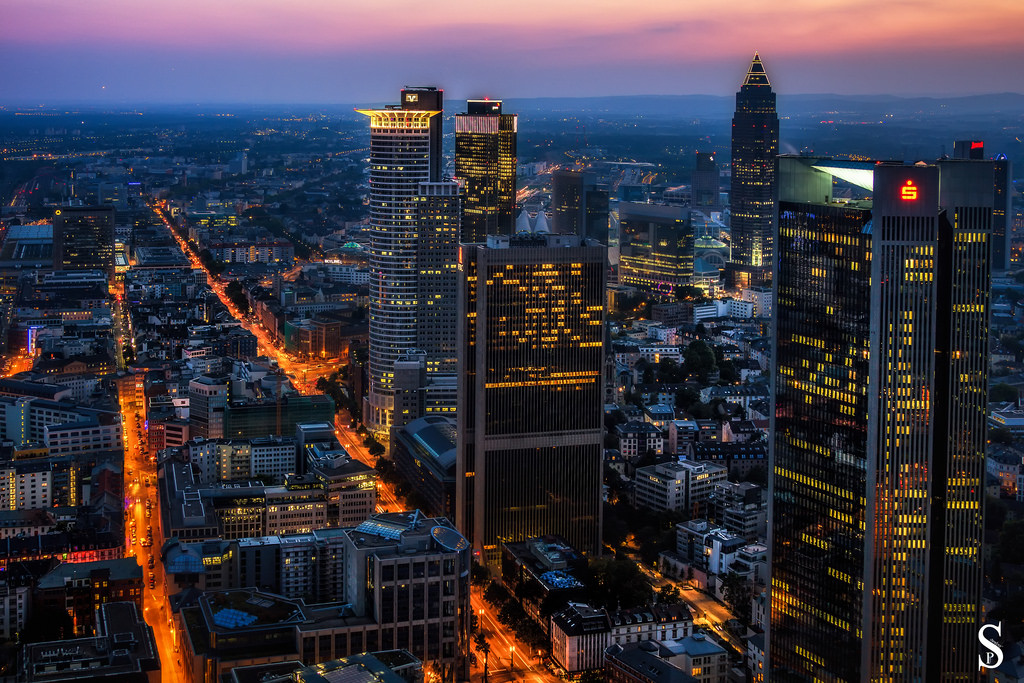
(541, 225)
(756, 75)
(523, 222)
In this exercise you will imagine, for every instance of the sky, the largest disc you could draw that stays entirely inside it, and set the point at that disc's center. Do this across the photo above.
(343, 51)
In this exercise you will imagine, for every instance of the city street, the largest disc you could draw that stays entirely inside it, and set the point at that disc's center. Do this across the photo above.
(141, 499)
(504, 647)
(303, 375)
(708, 613)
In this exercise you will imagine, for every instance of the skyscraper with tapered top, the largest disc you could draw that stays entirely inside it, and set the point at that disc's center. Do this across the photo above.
(406, 198)
(485, 162)
(755, 146)
(879, 422)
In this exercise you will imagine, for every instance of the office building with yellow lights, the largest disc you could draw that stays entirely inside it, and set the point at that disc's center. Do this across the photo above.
(83, 238)
(531, 335)
(878, 448)
(656, 249)
(485, 161)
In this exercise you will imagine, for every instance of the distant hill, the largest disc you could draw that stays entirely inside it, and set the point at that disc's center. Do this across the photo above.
(714, 107)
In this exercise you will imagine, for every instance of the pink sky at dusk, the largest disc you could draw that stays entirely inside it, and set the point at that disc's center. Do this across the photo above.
(343, 51)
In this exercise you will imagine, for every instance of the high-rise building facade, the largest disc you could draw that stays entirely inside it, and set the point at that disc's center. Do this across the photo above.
(485, 161)
(755, 145)
(438, 209)
(531, 335)
(579, 206)
(405, 162)
(704, 187)
(1001, 202)
(656, 246)
(83, 238)
(878, 451)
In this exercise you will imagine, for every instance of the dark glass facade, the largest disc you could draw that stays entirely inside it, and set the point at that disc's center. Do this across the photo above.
(879, 424)
(531, 391)
(579, 206)
(83, 238)
(704, 188)
(485, 161)
(755, 145)
(820, 443)
(657, 247)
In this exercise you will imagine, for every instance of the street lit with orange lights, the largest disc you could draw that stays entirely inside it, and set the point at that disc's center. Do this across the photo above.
(144, 537)
(528, 666)
(508, 659)
(302, 375)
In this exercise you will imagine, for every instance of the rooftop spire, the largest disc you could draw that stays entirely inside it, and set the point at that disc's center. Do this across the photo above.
(755, 74)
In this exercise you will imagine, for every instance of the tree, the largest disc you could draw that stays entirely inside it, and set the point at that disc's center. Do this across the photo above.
(236, 293)
(479, 575)
(669, 371)
(613, 583)
(1002, 392)
(483, 646)
(738, 595)
(689, 293)
(669, 595)
(699, 360)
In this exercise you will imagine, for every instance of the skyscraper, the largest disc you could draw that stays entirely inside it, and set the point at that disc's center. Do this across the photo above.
(83, 238)
(656, 246)
(485, 161)
(1001, 230)
(879, 435)
(704, 187)
(405, 162)
(531, 335)
(438, 209)
(755, 145)
(579, 206)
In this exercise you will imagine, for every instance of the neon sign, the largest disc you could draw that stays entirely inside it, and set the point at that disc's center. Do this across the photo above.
(909, 191)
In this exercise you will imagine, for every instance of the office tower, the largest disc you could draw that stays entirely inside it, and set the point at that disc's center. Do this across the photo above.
(83, 238)
(704, 183)
(405, 153)
(657, 247)
(208, 404)
(438, 208)
(878, 450)
(1001, 202)
(755, 145)
(485, 161)
(531, 350)
(969, 149)
(1002, 230)
(579, 206)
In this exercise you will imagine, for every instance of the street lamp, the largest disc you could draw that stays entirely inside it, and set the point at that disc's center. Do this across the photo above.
(512, 658)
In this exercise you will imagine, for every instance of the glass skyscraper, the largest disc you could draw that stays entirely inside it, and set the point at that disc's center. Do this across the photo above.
(755, 145)
(83, 238)
(878, 449)
(485, 161)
